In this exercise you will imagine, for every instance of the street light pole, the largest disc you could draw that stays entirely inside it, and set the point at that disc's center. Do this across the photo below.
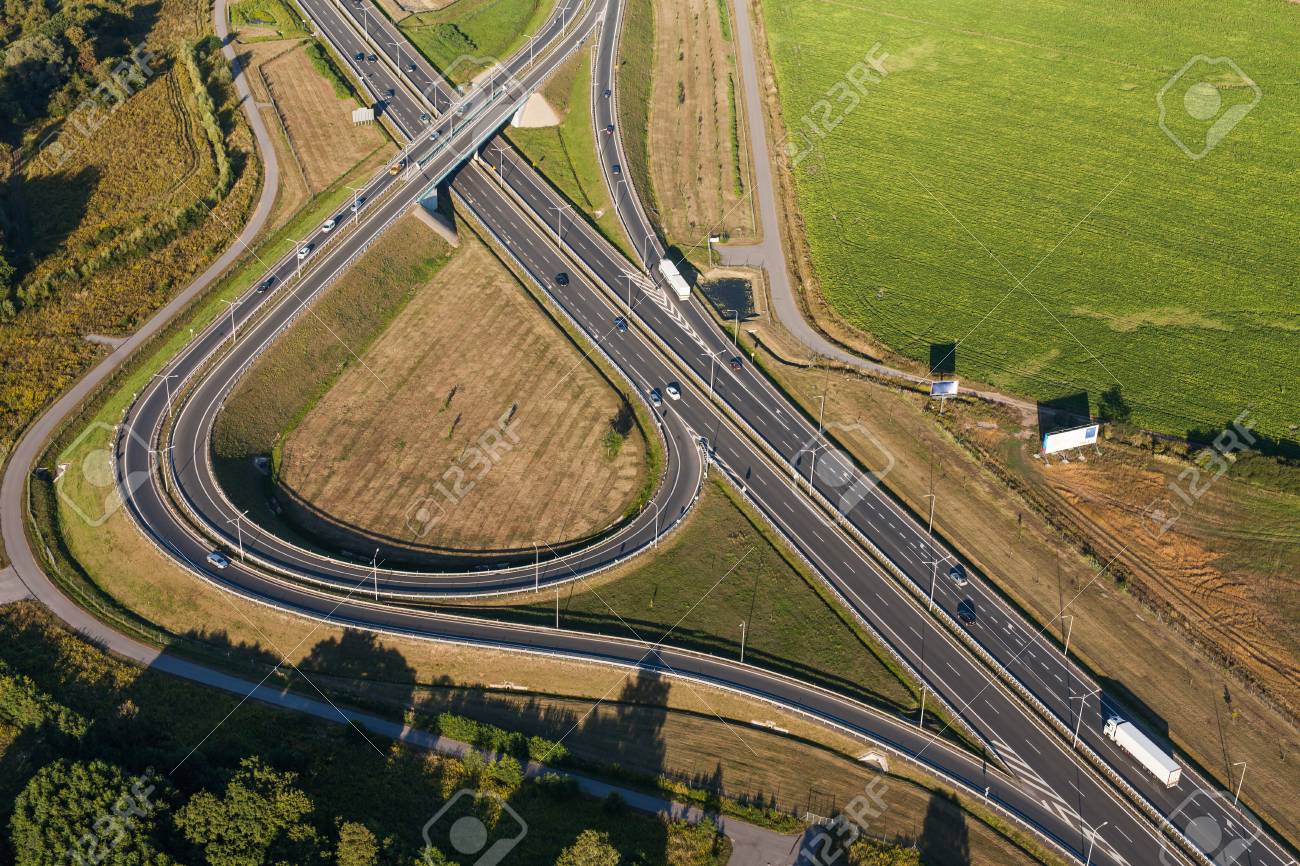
(1092, 840)
(239, 533)
(1068, 630)
(1240, 782)
(374, 572)
(742, 641)
(356, 206)
(921, 722)
(167, 382)
(232, 305)
(537, 568)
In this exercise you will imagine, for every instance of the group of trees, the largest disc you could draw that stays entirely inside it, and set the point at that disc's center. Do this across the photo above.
(51, 54)
(95, 812)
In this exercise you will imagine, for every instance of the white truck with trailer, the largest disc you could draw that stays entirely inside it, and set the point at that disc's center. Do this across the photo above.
(1128, 737)
(675, 280)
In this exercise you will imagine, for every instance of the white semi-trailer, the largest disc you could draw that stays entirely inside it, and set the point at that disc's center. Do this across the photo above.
(1129, 738)
(674, 278)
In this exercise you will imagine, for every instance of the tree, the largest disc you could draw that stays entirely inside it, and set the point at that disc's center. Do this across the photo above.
(259, 819)
(864, 852)
(590, 849)
(357, 846)
(1112, 408)
(431, 856)
(90, 812)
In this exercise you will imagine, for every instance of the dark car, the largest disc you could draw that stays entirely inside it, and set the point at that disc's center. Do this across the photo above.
(621, 324)
(616, 168)
(373, 58)
(562, 278)
(966, 611)
(735, 362)
(410, 67)
(609, 130)
(359, 56)
(390, 93)
(266, 284)
(608, 92)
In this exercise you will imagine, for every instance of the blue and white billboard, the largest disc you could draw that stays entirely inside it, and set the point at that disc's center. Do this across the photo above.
(946, 388)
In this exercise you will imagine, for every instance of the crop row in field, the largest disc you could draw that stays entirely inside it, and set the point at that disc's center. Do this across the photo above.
(1007, 186)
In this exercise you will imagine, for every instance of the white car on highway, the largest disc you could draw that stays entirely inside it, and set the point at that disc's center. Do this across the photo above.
(304, 251)
(674, 392)
(329, 224)
(217, 559)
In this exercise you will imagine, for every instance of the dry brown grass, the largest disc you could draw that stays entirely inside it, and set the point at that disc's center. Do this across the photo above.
(692, 164)
(470, 349)
(1226, 567)
(318, 122)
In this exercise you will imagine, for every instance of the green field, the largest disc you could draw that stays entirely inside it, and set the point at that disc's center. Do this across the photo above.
(1028, 136)
(464, 38)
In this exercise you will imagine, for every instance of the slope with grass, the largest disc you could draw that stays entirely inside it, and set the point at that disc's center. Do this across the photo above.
(565, 155)
(700, 178)
(1023, 143)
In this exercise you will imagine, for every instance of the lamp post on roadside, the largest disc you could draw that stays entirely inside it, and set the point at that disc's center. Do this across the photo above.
(1068, 630)
(1092, 840)
(374, 572)
(356, 204)
(239, 534)
(1236, 796)
(232, 305)
(631, 278)
(713, 360)
(537, 568)
(167, 382)
(1078, 722)
(742, 641)
(559, 209)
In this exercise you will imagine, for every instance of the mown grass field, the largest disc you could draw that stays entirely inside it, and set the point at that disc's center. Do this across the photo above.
(401, 425)
(464, 38)
(1027, 137)
(700, 185)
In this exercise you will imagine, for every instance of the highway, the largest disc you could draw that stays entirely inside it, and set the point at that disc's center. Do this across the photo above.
(764, 444)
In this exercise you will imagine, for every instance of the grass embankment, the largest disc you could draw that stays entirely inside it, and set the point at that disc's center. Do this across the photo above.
(60, 698)
(566, 155)
(915, 234)
(462, 39)
(473, 360)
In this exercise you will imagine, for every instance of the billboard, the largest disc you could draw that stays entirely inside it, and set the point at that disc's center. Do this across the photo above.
(1064, 440)
(944, 389)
